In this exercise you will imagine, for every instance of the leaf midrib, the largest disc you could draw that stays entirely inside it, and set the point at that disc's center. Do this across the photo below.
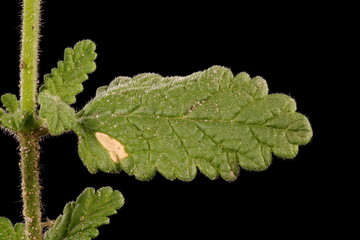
(193, 120)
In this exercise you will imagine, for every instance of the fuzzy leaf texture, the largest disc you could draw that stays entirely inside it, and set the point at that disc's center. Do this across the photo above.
(10, 232)
(210, 120)
(59, 115)
(65, 81)
(81, 219)
(10, 102)
(62, 85)
(13, 118)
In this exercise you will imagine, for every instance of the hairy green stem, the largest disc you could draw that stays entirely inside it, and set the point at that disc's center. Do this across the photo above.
(29, 54)
(29, 141)
(29, 150)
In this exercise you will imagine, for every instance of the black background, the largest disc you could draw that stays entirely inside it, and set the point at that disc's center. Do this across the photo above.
(284, 44)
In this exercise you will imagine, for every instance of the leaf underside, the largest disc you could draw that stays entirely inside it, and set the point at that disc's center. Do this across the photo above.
(210, 120)
(81, 219)
(10, 232)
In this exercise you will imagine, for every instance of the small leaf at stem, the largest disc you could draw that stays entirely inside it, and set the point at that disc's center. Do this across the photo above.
(10, 102)
(20, 231)
(81, 219)
(14, 121)
(59, 116)
(211, 121)
(65, 81)
(10, 232)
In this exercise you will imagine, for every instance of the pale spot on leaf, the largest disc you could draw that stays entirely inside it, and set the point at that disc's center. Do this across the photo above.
(115, 148)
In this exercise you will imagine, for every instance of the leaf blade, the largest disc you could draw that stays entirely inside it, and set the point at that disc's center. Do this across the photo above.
(81, 218)
(12, 117)
(210, 120)
(10, 102)
(14, 121)
(6, 229)
(10, 232)
(66, 80)
(20, 231)
(59, 116)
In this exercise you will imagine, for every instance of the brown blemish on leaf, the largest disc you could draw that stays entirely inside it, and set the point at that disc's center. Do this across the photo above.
(114, 147)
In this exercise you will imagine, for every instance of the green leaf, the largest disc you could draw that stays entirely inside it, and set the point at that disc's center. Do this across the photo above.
(14, 121)
(8, 232)
(20, 231)
(59, 116)
(10, 102)
(65, 81)
(210, 120)
(81, 219)
(13, 118)
(62, 85)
